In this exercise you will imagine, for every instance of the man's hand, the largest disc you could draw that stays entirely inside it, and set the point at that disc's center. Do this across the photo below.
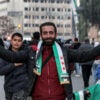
(17, 64)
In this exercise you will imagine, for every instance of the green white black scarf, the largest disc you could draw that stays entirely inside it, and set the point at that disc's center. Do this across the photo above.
(60, 63)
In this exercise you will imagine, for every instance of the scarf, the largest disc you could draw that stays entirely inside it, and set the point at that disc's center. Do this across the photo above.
(60, 63)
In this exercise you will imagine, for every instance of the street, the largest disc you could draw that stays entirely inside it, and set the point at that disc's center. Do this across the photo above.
(77, 84)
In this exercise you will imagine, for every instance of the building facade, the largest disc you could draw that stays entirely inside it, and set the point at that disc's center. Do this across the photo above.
(57, 11)
(3, 16)
(27, 15)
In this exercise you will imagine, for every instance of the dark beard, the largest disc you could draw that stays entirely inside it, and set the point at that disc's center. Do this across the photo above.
(48, 43)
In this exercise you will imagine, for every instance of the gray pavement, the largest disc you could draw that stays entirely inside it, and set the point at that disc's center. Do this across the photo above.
(78, 82)
(77, 85)
(2, 95)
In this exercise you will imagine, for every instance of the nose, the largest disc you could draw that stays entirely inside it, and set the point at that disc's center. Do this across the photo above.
(48, 34)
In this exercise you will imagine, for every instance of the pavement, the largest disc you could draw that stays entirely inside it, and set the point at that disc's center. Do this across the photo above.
(77, 84)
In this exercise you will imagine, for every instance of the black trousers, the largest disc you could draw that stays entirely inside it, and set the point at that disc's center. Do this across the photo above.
(86, 72)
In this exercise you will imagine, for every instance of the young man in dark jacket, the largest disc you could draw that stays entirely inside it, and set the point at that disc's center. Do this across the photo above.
(49, 80)
(16, 74)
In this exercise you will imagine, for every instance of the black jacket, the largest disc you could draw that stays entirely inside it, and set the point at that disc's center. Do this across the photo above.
(85, 47)
(28, 56)
(15, 78)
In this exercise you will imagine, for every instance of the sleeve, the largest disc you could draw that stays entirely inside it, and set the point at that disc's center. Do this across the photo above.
(10, 56)
(5, 67)
(83, 56)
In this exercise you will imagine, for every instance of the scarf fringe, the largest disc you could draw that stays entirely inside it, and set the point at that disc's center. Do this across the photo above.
(65, 82)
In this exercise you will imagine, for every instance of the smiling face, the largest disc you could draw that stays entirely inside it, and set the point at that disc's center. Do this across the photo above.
(48, 34)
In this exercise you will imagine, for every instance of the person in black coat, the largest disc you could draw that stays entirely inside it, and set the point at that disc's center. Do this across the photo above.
(86, 67)
(16, 74)
(35, 38)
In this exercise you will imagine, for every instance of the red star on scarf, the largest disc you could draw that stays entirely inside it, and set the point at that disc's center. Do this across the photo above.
(61, 57)
(64, 68)
(62, 63)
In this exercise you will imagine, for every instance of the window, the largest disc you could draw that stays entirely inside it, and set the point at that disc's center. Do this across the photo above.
(68, 17)
(58, 17)
(33, 25)
(37, 9)
(45, 1)
(25, 0)
(29, 0)
(58, 1)
(36, 1)
(42, 17)
(67, 1)
(26, 25)
(49, 9)
(58, 9)
(69, 10)
(26, 16)
(29, 8)
(58, 25)
(42, 1)
(26, 9)
(53, 9)
(53, 17)
(67, 25)
(8, 0)
(52, 1)
(60, 34)
(37, 17)
(61, 25)
(42, 9)
(37, 25)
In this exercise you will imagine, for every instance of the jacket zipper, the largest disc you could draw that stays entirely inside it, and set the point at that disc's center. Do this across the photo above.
(48, 70)
(48, 82)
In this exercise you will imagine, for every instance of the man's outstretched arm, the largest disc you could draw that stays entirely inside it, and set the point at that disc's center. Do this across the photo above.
(10, 56)
(83, 56)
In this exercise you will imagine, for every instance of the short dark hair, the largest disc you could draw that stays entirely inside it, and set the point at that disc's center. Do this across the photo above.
(17, 34)
(36, 35)
(48, 24)
(86, 40)
(75, 39)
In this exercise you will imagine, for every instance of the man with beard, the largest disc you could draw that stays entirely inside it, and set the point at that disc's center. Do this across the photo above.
(48, 64)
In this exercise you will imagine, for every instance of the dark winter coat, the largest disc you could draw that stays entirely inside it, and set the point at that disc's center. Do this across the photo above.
(85, 47)
(15, 77)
